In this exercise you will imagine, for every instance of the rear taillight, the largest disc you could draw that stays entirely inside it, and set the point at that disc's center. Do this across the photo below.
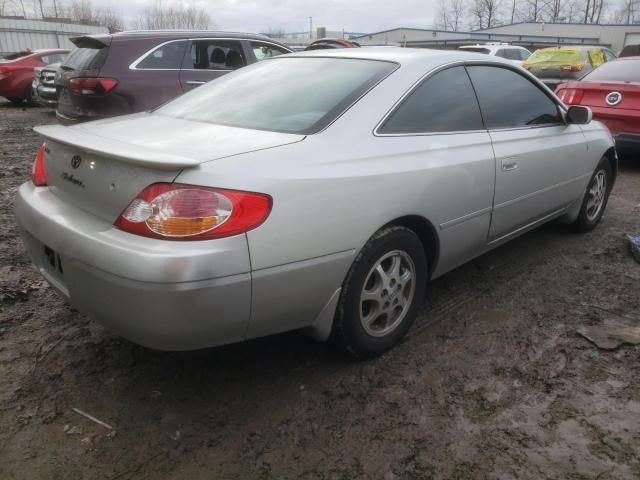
(38, 173)
(572, 68)
(92, 86)
(175, 211)
(6, 70)
(570, 96)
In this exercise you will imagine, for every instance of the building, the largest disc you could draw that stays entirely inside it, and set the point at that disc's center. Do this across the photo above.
(613, 36)
(299, 40)
(17, 34)
(529, 35)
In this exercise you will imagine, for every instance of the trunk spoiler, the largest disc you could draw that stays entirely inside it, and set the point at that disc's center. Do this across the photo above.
(92, 41)
(118, 150)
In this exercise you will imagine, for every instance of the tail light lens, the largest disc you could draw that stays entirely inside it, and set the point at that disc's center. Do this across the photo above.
(92, 86)
(570, 96)
(187, 212)
(572, 68)
(38, 173)
(6, 70)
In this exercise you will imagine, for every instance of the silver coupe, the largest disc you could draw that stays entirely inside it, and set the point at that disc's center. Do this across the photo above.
(319, 191)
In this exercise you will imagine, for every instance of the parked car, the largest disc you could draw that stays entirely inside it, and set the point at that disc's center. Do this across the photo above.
(16, 73)
(630, 51)
(330, 43)
(558, 65)
(233, 212)
(503, 50)
(121, 73)
(44, 86)
(612, 91)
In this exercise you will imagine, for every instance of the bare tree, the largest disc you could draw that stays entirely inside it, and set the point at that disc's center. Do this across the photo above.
(159, 16)
(451, 14)
(274, 32)
(485, 13)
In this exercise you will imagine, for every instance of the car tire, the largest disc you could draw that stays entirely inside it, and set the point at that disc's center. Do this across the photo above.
(15, 100)
(30, 97)
(381, 294)
(595, 198)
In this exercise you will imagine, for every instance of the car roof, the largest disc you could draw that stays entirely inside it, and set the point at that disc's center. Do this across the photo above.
(187, 34)
(403, 56)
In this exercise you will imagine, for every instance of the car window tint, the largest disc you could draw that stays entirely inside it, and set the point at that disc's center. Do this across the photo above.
(512, 53)
(609, 55)
(444, 102)
(52, 58)
(508, 99)
(262, 51)
(86, 58)
(286, 94)
(524, 54)
(501, 53)
(215, 55)
(168, 56)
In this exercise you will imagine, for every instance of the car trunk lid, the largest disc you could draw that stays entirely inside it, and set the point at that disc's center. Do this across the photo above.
(102, 166)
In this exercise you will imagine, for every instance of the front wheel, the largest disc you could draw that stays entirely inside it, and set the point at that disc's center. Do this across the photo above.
(15, 100)
(595, 198)
(381, 294)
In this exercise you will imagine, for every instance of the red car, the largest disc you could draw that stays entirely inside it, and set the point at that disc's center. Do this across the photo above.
(612, 91)
(16, 72)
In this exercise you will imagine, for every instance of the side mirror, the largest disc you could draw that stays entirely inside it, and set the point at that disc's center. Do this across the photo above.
(579, 115)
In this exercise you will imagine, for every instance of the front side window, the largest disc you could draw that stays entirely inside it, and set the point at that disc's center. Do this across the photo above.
(444, 102)
(166, 57)
(262, 51)
(509, 100)
(609, 55)
(216, 55)
(289, 94)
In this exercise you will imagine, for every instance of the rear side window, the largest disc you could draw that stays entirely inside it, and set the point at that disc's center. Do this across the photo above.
(512, 54)
(444, 102)
(86, 58)
(486, 51)
(618, 71)
(168, 56)
(53, 58)
(509, 100)
(215, 55)
(262, 51)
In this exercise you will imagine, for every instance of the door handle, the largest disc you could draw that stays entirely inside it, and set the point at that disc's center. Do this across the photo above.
(509, 164)
(195, 82)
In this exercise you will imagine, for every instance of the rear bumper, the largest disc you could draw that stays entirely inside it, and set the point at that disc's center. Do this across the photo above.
(627, 142)
(161, 294)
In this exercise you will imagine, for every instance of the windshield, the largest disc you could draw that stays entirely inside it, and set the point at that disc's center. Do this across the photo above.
(616, 71)
(293, 95)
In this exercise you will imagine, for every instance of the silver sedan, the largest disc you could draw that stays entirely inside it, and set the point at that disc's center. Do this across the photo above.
(317, 191)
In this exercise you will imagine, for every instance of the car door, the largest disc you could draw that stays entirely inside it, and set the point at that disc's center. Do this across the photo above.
(155, 78)
(538, 156)
(438, 128)
(208, 59)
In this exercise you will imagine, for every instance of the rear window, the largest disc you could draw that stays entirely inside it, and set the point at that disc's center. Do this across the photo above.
(86, 58)
(291, 95)
(16, 55)
(476, 49)
(630, 51)
(557, 57)
(616, 71)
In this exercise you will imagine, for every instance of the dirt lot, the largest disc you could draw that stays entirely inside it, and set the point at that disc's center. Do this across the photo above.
(493, 382)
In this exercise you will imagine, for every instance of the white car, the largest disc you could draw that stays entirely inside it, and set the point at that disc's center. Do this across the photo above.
(504, 50)
(320, 190)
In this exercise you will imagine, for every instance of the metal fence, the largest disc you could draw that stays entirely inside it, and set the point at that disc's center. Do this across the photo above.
(19, 34)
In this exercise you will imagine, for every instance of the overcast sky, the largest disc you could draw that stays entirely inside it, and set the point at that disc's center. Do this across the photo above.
(293, 15)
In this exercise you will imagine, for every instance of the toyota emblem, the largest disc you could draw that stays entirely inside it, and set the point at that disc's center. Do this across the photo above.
(613, 98)
(76, 160)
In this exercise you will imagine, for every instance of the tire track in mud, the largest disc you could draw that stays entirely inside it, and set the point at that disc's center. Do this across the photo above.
(493, 269)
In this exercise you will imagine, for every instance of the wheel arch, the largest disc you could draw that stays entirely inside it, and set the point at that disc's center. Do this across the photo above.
(427, 234)
(612, 157)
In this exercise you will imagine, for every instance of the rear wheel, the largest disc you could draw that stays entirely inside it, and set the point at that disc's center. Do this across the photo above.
(595, 198)
(381, 294)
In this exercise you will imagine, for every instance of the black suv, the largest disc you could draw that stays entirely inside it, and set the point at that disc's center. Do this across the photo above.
(130, 72)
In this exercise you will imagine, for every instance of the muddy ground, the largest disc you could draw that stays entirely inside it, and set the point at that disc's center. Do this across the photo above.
(493, 381)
